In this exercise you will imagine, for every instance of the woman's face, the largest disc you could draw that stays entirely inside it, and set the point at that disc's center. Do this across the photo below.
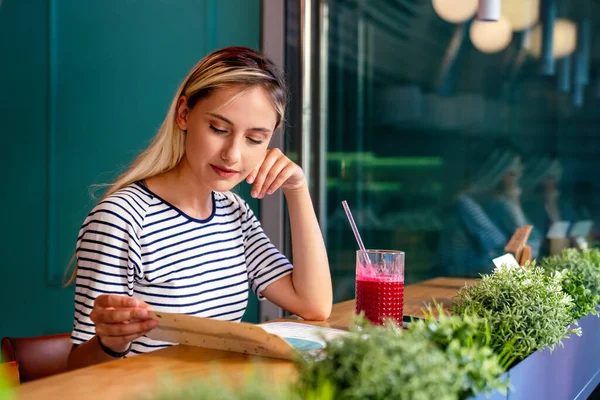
(511, 178)
(225, 142)
(513, 174)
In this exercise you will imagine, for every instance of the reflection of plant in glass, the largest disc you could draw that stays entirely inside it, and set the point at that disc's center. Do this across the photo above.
(525, 308)
(465, 339)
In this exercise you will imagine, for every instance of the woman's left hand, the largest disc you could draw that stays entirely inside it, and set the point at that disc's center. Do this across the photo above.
(275, 171)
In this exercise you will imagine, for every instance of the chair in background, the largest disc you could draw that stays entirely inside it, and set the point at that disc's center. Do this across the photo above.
(517, 245)
(37, 357)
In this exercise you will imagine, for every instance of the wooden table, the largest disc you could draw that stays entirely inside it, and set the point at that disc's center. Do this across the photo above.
(121, 379)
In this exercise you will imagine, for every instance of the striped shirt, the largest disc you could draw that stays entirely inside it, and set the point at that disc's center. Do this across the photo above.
(136, 244)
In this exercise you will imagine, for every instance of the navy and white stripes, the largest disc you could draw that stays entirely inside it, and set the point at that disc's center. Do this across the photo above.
(136, 244)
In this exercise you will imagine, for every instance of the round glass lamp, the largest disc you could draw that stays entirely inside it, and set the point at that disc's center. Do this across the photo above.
(564, 39)
(522, 14)
(455, 11)
(491, 36)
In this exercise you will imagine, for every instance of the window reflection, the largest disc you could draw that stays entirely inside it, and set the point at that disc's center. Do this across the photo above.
(442, 150)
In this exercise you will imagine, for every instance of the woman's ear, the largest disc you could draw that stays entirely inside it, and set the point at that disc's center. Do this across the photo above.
(182, 113)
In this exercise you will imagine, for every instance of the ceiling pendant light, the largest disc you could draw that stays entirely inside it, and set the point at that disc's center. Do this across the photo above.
(489, 10)
(522, 14)
(564, 39)
(491, 37)
(455, 11)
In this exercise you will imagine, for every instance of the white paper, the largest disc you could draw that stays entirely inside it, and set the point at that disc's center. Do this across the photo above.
(508, 260)
(581, 228)
(582, 244)
(558, 230)
(302, 336)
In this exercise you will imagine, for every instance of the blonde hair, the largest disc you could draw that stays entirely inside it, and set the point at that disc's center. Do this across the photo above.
(222, 68)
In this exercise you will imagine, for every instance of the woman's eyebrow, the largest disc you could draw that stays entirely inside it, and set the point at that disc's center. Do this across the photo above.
(222, 118)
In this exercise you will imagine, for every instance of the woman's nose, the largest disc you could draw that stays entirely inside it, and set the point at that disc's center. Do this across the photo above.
(231, 152)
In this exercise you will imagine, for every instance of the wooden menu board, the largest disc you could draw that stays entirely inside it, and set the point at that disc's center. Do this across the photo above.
(272, 339)
(239, 337)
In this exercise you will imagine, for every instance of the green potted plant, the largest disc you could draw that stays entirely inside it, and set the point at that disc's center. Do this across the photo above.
(527, 309)
(433, 360)
(256, 387)
(580, 272)
(529, 314)
(6, 390)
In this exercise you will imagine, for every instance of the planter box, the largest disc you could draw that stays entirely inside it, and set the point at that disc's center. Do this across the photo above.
(570, 372)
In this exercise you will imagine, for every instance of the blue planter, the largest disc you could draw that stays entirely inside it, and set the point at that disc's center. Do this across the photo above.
(569, 372)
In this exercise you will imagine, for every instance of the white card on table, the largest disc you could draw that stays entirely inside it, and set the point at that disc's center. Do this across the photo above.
(508, 260)
(581, 228)
(558, 230)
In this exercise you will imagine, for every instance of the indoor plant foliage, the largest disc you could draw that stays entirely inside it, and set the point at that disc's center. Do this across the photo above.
(432, 360)
(580, 272)
(448, 359)
(526, 309)
(465, 339)
(381, 363)
(256, 387)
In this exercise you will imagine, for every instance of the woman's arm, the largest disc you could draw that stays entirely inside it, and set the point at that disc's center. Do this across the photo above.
(88, 353)
(118, 320)
(307, 292)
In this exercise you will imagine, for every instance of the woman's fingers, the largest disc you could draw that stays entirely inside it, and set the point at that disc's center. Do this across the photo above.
(283, 176)
(274, 172)
(113, 341)
(273, 175)
(113, 300)
(120, 319)
(143, 304)
(263, 170)
(125, 329)
(111, 316)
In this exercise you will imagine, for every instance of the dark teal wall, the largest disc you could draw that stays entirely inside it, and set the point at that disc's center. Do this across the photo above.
(84, 85)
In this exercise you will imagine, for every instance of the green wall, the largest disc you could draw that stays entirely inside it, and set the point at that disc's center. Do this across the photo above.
(84, 85)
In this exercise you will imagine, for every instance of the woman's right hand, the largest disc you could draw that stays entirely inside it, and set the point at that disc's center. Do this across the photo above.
(120, 320)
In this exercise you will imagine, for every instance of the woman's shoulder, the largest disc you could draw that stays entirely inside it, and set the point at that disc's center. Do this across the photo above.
(127, 205)
(230, 198)
(234, 203)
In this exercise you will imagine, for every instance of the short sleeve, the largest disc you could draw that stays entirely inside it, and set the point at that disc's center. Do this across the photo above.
(479, 225)
(264, 263)
(108, 259)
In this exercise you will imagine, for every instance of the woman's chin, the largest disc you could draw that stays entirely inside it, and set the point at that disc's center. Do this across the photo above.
(224, 186)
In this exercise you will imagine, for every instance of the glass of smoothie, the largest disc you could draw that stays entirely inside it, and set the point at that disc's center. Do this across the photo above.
(380, 285)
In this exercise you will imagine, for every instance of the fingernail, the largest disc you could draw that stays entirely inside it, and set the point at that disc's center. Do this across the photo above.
(269, 192)
(250, 179)
(142, 314)
(133, 302)
(254, 193)
(153, 323)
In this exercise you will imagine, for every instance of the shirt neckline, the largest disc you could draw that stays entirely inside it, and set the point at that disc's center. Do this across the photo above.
(143, 185)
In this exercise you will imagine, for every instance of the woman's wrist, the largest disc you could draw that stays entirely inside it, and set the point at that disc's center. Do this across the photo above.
(118, 352)
(300, 189)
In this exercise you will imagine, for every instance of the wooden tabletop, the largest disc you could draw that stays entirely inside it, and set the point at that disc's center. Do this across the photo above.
(121, 379)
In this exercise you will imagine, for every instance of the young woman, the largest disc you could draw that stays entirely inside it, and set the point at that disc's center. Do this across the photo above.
(169, 235)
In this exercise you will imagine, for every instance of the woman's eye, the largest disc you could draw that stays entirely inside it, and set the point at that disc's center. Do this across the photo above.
(254, 141)
(217, 130)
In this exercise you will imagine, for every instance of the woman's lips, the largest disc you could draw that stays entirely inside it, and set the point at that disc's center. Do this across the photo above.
(223, 172)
